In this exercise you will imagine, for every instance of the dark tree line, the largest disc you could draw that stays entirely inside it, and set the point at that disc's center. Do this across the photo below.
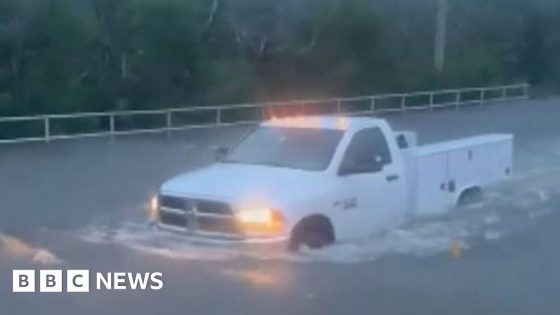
(98, 55)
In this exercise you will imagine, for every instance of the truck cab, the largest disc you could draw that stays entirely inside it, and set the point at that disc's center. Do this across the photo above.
(366, 168)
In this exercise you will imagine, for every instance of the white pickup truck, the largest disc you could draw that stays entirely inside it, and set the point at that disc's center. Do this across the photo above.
(316, 180)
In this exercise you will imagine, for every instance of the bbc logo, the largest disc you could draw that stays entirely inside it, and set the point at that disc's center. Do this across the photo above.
(50, 281)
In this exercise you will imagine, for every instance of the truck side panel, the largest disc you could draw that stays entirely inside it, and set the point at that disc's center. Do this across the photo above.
(443, 171)
(431, 193)
(480, 165)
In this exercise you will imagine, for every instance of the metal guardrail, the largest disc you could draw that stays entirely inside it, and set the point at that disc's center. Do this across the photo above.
(81, 125)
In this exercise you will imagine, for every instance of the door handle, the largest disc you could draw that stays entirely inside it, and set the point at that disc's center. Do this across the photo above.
(392, 177)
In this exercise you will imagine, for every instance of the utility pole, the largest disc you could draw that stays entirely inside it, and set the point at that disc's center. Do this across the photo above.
(441, 30)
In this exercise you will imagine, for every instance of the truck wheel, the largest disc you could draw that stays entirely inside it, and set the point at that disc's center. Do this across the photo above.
(315, 232)
(470, 196)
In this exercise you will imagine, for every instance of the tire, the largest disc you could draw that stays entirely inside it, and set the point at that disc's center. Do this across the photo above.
(470, 196)
(314, 232)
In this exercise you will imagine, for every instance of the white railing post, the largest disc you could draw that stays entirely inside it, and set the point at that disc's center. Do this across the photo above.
(403, 103)
(47, 129)
(457, 99)
(372, 104)
(168, 123)
(431, 100)
(504, 93)
(481, 97)
(525, 90)
(112, 125)
(218, 116)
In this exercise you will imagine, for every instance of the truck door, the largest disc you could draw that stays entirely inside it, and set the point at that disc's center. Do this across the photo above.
(373, 193)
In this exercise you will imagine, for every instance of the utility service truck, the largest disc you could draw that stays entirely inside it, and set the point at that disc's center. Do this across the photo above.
(316, 180)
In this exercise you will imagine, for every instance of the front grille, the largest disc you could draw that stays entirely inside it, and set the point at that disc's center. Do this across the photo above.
(202, 206)
(171, 218)
(218, 225)
(213, 207)
(198, 215)
(172, 202)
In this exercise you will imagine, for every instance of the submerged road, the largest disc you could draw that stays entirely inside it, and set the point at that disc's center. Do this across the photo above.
(80, 204)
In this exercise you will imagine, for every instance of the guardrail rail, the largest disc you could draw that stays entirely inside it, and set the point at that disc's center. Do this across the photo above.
(80, 125)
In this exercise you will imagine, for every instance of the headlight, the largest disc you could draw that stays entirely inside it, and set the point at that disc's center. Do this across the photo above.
(154, 208)
(260, 222)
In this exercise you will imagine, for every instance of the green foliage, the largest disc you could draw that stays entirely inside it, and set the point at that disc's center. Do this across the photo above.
(229, 82)
(351, 43)
(534, 59)
(99, 55)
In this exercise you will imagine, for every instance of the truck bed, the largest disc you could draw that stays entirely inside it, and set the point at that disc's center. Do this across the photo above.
(440, 172)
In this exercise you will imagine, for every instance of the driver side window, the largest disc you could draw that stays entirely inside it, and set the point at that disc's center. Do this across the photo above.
(368, 151)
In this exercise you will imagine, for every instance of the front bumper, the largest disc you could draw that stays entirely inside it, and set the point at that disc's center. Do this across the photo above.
(210, 238)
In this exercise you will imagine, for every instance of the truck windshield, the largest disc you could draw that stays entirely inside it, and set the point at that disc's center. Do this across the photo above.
(298, 148)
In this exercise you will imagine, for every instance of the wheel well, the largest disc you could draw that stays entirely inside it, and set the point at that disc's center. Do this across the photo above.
(315, 221)
(468, 193)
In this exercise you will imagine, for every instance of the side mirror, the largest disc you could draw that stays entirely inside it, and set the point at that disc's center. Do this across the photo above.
(353, 167)
(402, 142)
(220, 152)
